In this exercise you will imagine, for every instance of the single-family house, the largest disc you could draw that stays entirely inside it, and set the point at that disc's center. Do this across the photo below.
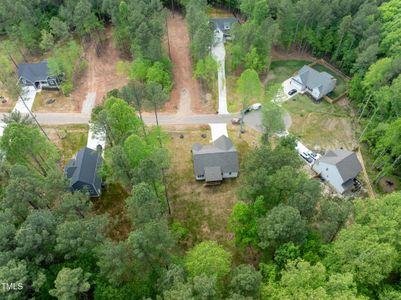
(339, 168)
(37, 75)
(215, 161)
(82, 171)
(317, 84)
(224, 25)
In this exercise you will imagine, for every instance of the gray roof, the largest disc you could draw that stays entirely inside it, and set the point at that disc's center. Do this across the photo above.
(33, 72)
(345, 161)
(312, 79)
(82, 171)
(221, 153)
(213, 174)
(224, 24)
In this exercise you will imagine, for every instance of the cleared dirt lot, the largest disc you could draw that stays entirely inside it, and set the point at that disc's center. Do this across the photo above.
(186, 95)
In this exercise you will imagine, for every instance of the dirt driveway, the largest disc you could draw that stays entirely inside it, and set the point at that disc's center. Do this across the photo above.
(101, 74)
(185, 96)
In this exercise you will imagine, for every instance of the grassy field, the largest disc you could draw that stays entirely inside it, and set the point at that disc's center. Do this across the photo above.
(203, 211)
(321, 126)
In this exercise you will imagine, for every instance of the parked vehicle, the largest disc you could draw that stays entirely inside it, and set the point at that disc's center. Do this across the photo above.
(256, 106)
(292, 92)
(306, 157)
(236, 121)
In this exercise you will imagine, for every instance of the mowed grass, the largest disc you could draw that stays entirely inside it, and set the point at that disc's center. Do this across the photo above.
(203, 211)
(321, 126)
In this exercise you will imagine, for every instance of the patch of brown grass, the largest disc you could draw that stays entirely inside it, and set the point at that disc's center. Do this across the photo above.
(62, 103)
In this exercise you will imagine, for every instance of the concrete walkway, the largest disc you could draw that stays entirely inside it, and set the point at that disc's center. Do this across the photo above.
(219, 54)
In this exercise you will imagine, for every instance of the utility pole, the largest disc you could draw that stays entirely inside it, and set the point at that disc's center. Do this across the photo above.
(32, 115)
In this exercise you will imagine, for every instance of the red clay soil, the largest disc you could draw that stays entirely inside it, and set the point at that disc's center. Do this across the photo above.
(101, 75)
(185, 89)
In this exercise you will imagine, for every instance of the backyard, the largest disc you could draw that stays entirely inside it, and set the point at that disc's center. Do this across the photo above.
(203, 211)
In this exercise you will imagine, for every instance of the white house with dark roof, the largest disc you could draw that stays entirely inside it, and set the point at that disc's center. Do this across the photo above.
(317, 84)
(215, 161)
(339, 168)
(37, 75)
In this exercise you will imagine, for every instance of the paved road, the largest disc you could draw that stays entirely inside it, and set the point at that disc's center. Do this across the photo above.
(252, 119)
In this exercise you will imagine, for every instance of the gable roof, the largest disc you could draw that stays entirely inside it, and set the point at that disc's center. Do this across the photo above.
(345, 161)
(312, 79)
(213, 174)
(83, 169)
(33, 72)
(221, 153)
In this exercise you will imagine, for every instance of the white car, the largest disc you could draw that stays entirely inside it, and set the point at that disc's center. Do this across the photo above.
(256, 106)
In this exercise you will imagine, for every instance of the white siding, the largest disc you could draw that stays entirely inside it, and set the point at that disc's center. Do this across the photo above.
(330, 174)
(230, 175)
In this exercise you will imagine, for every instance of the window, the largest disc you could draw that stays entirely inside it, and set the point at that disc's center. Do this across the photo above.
(229, 173)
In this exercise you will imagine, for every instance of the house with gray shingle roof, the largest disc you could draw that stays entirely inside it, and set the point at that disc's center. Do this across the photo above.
(82, 172)
(224, 25)
(339, 168)
(215, 161)
(317, 84)
(37, 75)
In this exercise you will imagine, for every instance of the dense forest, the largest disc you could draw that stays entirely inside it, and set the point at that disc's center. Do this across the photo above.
(291, 241)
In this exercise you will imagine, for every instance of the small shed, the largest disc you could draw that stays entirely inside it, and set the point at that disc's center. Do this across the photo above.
(82, 171)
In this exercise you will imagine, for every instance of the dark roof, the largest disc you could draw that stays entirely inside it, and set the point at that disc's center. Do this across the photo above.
(33, 72)
(82, 171)
(213, 174)
(345, 161)
(224, 24)
(221, 153)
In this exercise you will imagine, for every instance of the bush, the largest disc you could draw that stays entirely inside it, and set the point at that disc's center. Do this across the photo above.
(66, 88)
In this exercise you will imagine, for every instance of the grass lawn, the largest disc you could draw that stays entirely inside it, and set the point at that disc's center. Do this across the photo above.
(281, 70)
(9, 104)
(321, 126)
(203, 211)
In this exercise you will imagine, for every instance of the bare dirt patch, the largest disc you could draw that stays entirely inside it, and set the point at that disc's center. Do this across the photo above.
(186, 94)
(101, 74)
